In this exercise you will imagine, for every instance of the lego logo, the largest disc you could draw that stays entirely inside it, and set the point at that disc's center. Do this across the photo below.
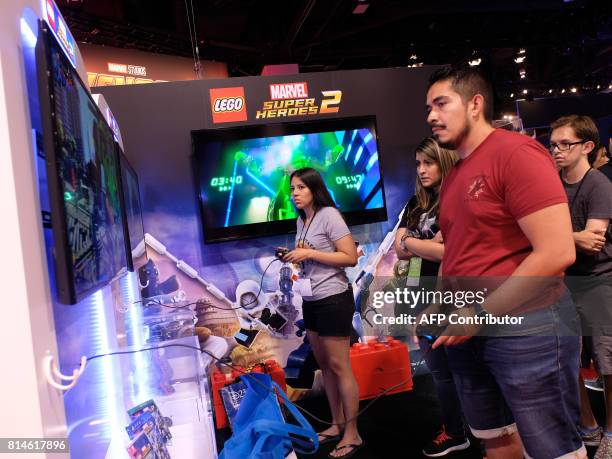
(228, 104)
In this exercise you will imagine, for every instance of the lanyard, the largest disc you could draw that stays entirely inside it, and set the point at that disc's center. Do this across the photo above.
(578, 190)
(300, 240)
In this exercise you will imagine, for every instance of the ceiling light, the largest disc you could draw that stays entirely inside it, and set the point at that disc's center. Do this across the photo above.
(574, 89)
(520, 59)
(550, 91)
(598, 86)
(475, 62)
(525, 91)
(523, 73)
(413, 57)
(563, 91)
(521, 51)
(511, 94)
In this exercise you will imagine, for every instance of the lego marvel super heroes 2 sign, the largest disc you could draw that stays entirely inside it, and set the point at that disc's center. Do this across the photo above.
(292, 99)
(286, 100)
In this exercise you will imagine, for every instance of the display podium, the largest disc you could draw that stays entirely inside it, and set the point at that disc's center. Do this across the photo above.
(186, 403)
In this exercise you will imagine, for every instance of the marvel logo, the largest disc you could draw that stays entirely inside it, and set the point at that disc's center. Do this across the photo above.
(289, 91)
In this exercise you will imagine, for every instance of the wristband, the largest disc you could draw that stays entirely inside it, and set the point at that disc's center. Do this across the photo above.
(407, 234)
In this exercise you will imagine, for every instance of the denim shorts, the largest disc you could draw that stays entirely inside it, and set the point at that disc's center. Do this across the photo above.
(524, 383)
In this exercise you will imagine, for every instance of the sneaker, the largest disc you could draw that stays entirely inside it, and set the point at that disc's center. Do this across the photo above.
(590, 437)
(444, 444)
(605, 448)
(594, 384)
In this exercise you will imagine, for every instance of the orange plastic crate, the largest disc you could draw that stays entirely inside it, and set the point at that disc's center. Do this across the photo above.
(219, 380)
(378, 366)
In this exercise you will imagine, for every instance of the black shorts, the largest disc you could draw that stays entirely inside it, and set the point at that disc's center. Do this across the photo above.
(330, 316)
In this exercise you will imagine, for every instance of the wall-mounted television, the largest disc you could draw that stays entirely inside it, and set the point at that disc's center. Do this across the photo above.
(82, 178)
(242, 174)
(130, 197)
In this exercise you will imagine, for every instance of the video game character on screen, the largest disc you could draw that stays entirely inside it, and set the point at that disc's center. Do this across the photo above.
(89, 181)
(247, 180)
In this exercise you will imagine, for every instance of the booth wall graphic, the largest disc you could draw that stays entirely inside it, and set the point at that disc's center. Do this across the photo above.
(108, 66)
(156, 122)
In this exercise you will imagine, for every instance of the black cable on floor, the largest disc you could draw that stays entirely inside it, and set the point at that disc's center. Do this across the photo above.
(245, 373)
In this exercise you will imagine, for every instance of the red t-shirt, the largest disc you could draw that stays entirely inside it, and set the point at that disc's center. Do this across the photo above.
(507, 177)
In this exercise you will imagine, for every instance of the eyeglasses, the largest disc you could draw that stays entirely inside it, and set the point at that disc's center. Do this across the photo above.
(564, 146)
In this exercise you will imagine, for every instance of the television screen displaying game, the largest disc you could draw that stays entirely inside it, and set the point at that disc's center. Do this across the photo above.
(82, 175)
(243, 174)
(130, 196)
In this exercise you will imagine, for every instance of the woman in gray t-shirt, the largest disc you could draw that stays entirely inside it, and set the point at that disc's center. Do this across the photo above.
(324, 247)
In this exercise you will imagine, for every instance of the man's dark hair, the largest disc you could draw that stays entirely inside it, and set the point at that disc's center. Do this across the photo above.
(467, 82)
(585, 129)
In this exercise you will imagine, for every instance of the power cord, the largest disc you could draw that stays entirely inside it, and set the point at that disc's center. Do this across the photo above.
(244, 373)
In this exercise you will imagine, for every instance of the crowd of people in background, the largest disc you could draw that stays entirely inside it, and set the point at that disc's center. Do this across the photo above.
(500, 207)
(510, 209)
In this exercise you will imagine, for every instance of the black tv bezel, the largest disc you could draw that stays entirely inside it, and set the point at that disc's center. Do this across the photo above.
(123, 164)
(274, 228)
(66, 290)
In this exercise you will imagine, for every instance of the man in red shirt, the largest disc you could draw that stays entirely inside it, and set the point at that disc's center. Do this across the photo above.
(504, 213)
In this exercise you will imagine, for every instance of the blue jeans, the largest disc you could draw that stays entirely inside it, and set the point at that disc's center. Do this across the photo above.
(524, 383)
(437, 362)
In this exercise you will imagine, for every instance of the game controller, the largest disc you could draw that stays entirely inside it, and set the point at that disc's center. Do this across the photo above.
(280, 252)
(430, 331)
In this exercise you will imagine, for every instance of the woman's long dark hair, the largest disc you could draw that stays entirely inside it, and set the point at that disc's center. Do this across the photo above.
(428, 199)
(320, 194)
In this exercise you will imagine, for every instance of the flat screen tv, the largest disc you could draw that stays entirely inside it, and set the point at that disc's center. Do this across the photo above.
(82, 177)
(130, 197)
(242, 174)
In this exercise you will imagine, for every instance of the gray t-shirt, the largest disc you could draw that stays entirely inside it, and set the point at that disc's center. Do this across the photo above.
(326, 227)
(591, 200)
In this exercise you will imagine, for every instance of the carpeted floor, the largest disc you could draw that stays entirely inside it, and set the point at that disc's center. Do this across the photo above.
(395, 426)
(398, 426)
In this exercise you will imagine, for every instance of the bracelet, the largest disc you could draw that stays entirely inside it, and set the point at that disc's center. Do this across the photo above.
(407, 234)
(403, 241)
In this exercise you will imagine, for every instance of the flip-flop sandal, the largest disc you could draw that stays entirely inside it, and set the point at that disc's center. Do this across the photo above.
(326, 438)
(354, 449)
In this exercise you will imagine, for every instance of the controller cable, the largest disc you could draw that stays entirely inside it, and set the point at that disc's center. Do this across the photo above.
(245, 373)
(188, 305)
